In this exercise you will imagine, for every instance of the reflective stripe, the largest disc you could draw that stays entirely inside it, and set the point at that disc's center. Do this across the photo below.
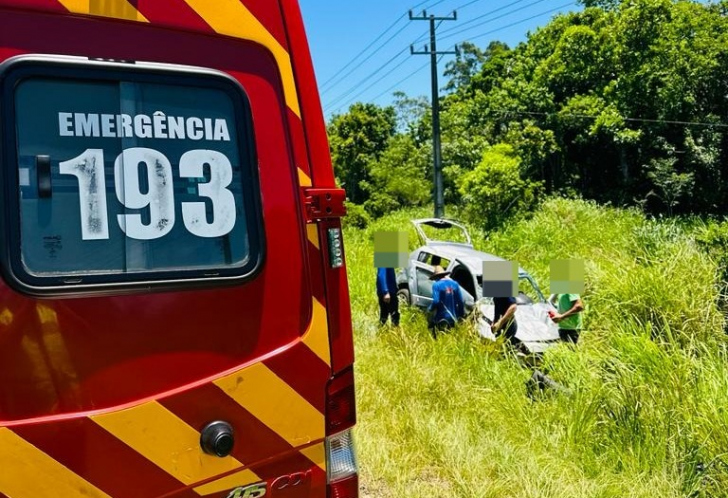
(303, 179)
(312, 233)
(231, 17)
(27, 472)
(275, 403)
(317, 336)
(317, 454)
(163, 438)
(120, 9)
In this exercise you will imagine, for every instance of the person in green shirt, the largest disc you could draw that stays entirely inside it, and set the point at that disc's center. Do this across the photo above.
(569, 307)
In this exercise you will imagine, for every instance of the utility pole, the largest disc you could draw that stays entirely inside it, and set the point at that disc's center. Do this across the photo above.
(436, 152)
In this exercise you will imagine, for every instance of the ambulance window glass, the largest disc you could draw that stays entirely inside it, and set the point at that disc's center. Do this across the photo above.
(122, 179)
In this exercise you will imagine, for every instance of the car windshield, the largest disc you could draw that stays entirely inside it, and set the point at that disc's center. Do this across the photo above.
(528, 291)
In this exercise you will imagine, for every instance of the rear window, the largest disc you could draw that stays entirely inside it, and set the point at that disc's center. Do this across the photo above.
(126, 174)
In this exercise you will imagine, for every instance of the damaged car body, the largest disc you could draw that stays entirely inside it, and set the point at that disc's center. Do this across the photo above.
(448, 244)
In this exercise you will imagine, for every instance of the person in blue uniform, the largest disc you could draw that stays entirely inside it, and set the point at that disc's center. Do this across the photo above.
(447, 301)
(387, 295)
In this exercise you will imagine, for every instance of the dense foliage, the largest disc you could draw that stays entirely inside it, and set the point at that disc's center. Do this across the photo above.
(646, 416)
(623, 102)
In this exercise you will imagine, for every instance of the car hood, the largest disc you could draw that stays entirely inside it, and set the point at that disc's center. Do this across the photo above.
(535, 328)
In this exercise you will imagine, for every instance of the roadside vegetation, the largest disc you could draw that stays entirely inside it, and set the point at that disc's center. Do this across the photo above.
(601, 137)
(623, 102)
(647, 416)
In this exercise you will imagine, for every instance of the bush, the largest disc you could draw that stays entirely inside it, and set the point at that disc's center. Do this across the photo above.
(356, 216)
(495, 191)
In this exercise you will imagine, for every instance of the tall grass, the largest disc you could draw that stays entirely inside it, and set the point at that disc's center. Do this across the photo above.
(648, 411)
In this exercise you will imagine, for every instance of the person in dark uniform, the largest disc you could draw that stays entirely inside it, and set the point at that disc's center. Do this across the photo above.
(387, 295)
(504, 319)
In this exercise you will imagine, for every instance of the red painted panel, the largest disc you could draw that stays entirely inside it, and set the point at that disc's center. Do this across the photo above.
(147, 345)
(48, 5)
(311, 112)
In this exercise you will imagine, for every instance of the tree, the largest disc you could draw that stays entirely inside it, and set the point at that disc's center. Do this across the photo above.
(398, 177)
(466, 64)
(410, 113)
(356, 139)
(670, 184)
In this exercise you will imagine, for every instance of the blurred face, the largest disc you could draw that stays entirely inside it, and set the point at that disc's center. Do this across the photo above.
(567, 276)
(390, 249)
(500, 278)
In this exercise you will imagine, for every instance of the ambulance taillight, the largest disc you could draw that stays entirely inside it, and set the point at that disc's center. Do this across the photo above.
(341, 465)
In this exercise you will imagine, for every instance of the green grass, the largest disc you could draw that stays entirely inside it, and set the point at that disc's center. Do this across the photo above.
(648, 410)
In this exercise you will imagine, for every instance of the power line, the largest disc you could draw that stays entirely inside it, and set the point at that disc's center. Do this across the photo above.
(402, 80)
(449, 33)
(371, 85)
(481, 35)
(374, 73)
(342, 77)
(346, 94)
(466, 5)
(489, 13)
(337, 76)
(433, 5)
(587, 116)
(325, 83)
(406, 78)
(353, 89)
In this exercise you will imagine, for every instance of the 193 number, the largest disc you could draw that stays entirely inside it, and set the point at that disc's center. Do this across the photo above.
(88, 168)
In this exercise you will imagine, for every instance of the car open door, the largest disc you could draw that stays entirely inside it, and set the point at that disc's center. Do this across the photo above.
(420, 284)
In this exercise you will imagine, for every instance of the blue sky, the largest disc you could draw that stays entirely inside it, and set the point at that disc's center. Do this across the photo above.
(361, 49)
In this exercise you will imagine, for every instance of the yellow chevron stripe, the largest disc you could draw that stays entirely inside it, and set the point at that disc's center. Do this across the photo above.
(317, 454)
(163, 438)
(230, 482)
(317, 336)
(275, 403)
(231, 17)
(312, 233)
(303, 179)
(27, 472)
(119, 9)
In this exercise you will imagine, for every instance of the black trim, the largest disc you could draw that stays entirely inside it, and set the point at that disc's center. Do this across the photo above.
(16, 69)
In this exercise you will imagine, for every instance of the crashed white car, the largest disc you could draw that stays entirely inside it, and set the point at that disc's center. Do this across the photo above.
(454, 251)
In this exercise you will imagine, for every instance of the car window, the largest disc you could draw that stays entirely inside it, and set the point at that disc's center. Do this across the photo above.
(433, 260)
(440, 261)
(424, 284)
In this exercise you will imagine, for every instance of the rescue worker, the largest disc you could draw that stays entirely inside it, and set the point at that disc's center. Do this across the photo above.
(504, 319)
(387, 296)
(447, 302)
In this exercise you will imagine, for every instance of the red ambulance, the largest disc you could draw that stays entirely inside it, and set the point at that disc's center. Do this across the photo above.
(174, 311)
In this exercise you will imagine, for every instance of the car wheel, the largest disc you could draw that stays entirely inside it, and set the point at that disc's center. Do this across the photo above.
(403, 296)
